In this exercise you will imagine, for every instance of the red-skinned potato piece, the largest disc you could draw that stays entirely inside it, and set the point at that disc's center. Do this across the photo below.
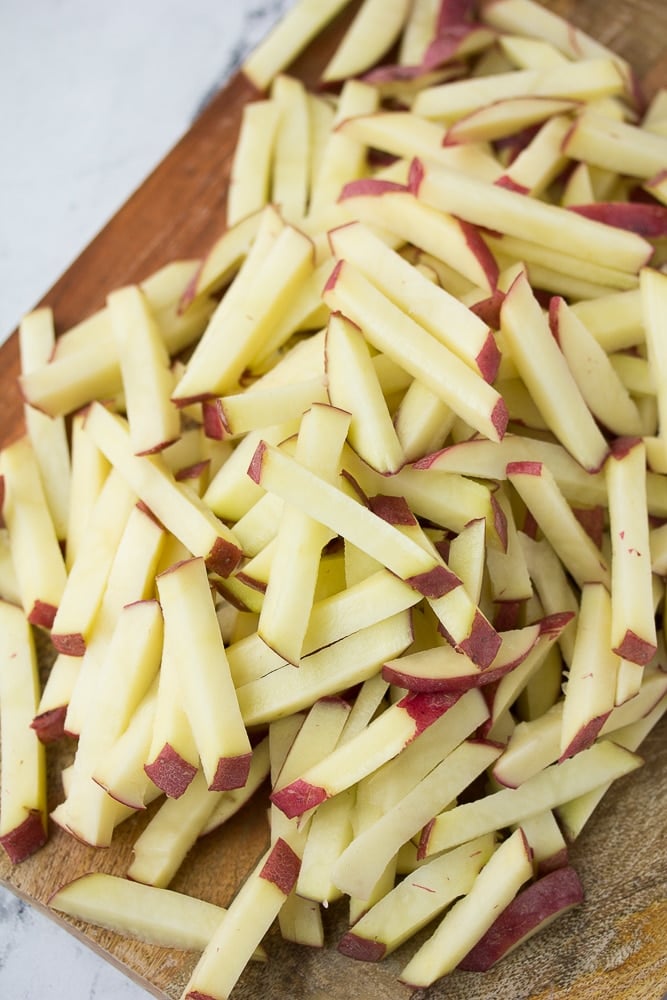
(530, 911)
(645, 219)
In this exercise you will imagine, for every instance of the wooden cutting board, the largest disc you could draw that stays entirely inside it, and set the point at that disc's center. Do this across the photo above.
(615, 944)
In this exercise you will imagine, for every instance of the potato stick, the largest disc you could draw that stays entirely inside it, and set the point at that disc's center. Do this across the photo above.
(131, 908)
(49, 436)
(38, 561)
(509, 212)
(361, 864)
(545, 790)
(23, 823)
(508, 868)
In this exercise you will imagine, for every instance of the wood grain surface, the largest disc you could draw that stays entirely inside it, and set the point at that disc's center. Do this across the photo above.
(613, 947)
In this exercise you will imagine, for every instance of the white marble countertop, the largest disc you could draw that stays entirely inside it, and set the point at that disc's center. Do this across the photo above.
(94, 95)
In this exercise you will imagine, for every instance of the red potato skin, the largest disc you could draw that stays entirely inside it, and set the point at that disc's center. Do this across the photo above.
(453, 686)
(524, 468)
(298, 797)
(488, 359)
(550, 895)
(282, 867)
(362, 949)
(224, 557)
(435, 582)
(191, 471)
(215, 424)
(489, 309)
(170, 772)
(394, 510)
(25, 839)
(42, 614)
(231, 772)
(448, 44)
(483, 643)
(425, 709)
(50, 725)
(369, 187)
(70, 643)
(635, 649)
(499, 523)
(507, 182)
(585, 737)
(643, 218)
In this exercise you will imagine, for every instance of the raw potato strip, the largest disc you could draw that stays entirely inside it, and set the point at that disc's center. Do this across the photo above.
(355, 759)
(332, 618)
(222, 355)
(251, 913)
(23, 828)
(653, 303)
(291, 168)
(349, 661)
(538, 489)
(559, 266)
(256, 409)
(85, 364)
(288, 600)
(419, 31)
(122, 773)
(147, 378)
(193, 641)
(544, 370)
(444, 238)
(163, 917)
(38, 562)
(405, 135)
(250, 177)
(172, 758)
(507, 211)
(508, 868)
(48, 436)
(328, 504)
(373, 31)
(49, 722)
(180, 510)
(130, 579)
(600, 386)
(303, 22)
(223, 260)
(536, 166)
(633, 630)
(591, 686)
(528, 18)
(604, 761)
(585, 80)
(415, 901)
(393, 332)
(343, 157)
(574, 815)
(161, 847)
(553, 586)
(447, 319)
(89, 571)
(505, 118)
(89, 470)
(353, 385)
(615, 145)
(363, 861)
(130, 665)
